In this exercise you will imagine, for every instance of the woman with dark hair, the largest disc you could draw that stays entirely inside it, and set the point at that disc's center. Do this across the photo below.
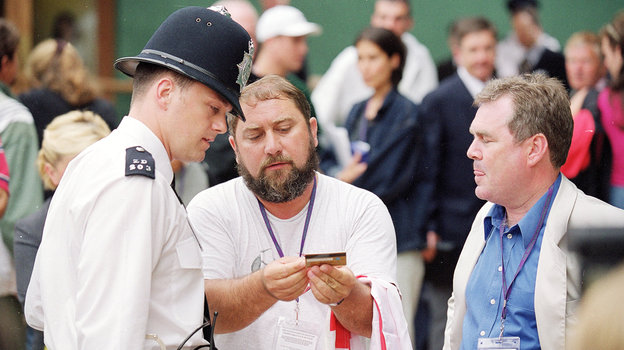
(611, 103)
(60, 83)
(388, 126)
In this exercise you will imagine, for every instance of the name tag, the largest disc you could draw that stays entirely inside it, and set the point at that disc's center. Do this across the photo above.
(504, 343)
(296, 335)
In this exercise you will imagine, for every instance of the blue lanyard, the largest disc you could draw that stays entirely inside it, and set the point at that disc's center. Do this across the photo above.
(527, 251)
(305, 227)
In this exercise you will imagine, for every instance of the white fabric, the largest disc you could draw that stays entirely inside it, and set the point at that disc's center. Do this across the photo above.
(410, 275)
(118, 259)
(342, 85)
(344, 218)
(510, 53)
(284, 20)
(388, 319)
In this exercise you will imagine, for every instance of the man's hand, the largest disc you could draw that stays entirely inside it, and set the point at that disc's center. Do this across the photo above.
(430, 252)
(353, 170)
(331, 284)
(285, 279)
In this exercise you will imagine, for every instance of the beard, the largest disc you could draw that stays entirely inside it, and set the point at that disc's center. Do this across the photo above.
(282, 185)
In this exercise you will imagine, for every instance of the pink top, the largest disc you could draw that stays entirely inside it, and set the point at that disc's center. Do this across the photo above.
(4, 170)
(610, 105)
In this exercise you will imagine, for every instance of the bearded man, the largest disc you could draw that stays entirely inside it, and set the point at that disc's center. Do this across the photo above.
(255, 230)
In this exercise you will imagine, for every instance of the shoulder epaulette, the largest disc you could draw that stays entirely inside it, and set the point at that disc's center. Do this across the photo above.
(139, 162)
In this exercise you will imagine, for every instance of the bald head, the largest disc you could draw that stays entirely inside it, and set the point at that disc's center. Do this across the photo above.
(243, 13)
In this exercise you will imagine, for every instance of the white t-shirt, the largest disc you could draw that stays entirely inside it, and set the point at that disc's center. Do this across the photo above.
(235, 242)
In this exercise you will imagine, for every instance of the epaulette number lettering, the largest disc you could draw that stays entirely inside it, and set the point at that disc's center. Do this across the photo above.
(139, 162)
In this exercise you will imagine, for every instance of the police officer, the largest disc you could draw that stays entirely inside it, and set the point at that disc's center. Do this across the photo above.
(119, 266)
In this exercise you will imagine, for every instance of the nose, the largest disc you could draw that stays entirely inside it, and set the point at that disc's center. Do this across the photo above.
(483, 56)
(389, 24)
(303, 47)
(272, 145)
(220, 124)
(363, 66)
(472, 152)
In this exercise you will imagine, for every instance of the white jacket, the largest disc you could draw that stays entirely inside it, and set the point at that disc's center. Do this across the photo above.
(389, 329)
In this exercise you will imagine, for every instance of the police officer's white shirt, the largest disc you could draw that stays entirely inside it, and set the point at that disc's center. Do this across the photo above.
(118, 259)
(236, 242)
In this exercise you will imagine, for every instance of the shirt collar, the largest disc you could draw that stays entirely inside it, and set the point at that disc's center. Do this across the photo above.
(145, 137)
(473, 84)
(388, 100)
(534, 54)
(528, 223)
(6, 90)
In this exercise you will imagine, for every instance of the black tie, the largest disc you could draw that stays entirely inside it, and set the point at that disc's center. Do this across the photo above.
(525, 66)
(174, 190)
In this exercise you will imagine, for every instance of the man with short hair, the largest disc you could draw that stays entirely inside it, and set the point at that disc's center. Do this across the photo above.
(243, 13)
(447, 114)
(516, 282)
(528, 48)
(256, 229)
(282, 32)
(119, 264)
(342, 85)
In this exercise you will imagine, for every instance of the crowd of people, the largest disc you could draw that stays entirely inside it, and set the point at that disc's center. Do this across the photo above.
(189, 223)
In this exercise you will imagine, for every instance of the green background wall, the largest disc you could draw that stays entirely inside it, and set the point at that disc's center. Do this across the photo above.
(343, 19)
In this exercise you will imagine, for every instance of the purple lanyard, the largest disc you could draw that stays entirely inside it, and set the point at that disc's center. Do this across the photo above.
(527, 251)
(305, 227)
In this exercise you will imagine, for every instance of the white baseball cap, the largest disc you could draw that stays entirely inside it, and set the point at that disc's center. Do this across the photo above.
(286, 21)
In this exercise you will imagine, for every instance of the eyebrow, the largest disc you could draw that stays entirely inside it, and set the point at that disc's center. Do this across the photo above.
(478, 133)
(252, 127)
(218, 97)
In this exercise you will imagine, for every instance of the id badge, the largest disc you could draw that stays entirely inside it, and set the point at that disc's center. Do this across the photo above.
(296, 335)
(504, 343)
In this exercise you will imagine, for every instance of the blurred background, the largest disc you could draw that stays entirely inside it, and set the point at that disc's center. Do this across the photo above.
(103, 30)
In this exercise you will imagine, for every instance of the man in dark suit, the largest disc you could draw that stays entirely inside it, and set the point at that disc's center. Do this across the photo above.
(448, 112)
(528, 48)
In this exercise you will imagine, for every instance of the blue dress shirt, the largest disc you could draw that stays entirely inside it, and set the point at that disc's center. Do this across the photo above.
(484, 292)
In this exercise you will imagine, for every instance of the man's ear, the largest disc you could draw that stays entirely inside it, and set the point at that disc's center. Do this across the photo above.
(4, 61)
(164, 91)
(233, 144)
(537, 149)
(314, 130)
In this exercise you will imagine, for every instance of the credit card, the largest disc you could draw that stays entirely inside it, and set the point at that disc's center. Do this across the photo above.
(327, 258)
